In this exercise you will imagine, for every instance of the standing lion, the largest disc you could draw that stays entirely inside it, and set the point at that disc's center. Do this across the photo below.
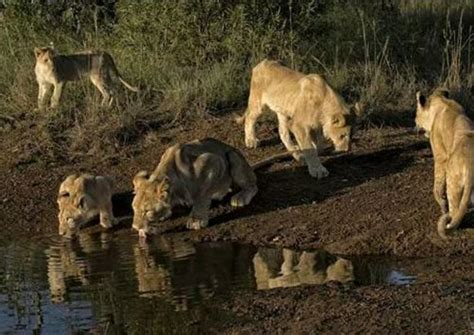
(451, 135)
(306, 105)
(53, 70)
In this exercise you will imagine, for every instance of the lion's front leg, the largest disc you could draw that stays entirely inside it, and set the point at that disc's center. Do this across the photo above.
(58, 90)
(310, 153)
(107, 219)
(43, 89)
(283, 130)
(199, 213)
(439, 187)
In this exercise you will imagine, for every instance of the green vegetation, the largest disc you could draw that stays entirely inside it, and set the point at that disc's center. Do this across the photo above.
(194, 57)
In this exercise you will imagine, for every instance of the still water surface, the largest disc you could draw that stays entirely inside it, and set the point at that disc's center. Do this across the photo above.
(113, 282)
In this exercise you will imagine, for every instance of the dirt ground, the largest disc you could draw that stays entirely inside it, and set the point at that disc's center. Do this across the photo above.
(377, 200)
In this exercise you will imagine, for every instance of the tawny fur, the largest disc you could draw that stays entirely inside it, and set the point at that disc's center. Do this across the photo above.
(451, 135)
(53, 70)
(284, 268)
(191, 174)
(306, 106)
(81, 198)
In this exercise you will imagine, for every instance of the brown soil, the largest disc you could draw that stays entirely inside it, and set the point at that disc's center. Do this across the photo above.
(377, 200)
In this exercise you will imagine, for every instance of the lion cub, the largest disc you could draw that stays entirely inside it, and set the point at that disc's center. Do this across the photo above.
(451, 136)
(306, 106)
(81, 198)
(191, 174)
(55, 70)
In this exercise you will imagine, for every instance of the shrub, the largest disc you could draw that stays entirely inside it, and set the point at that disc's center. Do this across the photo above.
(193, 57)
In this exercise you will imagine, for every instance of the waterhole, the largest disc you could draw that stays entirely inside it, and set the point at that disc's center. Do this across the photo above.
(113, 283)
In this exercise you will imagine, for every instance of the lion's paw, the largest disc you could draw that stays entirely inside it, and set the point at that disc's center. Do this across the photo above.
(251, 143)
(318, 172)
(196, 224)
(237, 201)
(107, 224)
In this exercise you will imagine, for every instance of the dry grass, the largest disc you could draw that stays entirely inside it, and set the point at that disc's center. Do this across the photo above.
(188, 63)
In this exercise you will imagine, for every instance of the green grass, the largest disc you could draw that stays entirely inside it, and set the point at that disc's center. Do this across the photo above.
(191, 58)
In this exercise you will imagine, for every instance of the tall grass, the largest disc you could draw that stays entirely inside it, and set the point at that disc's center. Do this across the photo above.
(191, 58)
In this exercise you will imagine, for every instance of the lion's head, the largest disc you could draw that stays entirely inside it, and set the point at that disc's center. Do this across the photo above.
(75, 206)
(342, 270)
(151, 203)
(425, 109)
(45, 55)
(338, 119)
(339, 129)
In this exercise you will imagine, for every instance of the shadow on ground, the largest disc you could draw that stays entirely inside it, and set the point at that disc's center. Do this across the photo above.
(294, 187)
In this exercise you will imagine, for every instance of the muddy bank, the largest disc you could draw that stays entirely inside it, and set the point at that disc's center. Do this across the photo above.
(421, 309)
(377, 199)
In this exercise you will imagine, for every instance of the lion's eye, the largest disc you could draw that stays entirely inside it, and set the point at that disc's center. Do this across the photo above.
(64, 194)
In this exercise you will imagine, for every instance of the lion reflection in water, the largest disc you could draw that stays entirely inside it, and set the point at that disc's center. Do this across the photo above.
(180, 272)
(156, 278)
(67, 263)
(284, 268)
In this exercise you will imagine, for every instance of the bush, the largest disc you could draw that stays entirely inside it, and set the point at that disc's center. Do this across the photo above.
(193, 57)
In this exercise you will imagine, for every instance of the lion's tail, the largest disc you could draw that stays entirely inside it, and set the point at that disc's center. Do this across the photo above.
(115, 71)
(451, 222)
(127, 85)
(442, 223)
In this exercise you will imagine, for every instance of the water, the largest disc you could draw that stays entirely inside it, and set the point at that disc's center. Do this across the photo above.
(114, 283)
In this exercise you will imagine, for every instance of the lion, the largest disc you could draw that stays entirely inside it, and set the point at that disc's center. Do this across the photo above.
(284, 268)
(55, 70)
(451, 135)
(81, 198)
(306, 105)
(191, 174)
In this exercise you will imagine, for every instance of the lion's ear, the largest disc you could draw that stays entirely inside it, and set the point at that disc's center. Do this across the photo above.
(359, 109)
(338, 120)
(420, 99)
(50, 52)
(442, 93)
(140, 178)
(38, 52)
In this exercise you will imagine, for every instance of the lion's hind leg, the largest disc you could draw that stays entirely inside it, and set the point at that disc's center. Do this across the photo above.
(254, 110)
(102, 82)
(210, 172)
(454, 192)
(244, 177)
